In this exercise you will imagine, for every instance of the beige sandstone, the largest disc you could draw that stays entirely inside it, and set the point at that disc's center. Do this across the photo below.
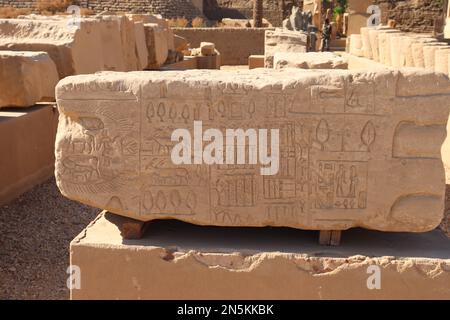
(141, 45)
(102, 43)
(356, 45)
(275, 263)
(366, 46)
(280, 40)
(26, 78)
(441, 60)
(394, 48)
(356, 148)
(207, 48)
(309, 60)
(27, 141)
(385, 45)
(417, 51)
(157, 45)
(429, 53)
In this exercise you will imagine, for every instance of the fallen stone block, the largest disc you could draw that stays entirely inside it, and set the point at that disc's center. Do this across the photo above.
(356, 149)
(209, 62)
(256, 61)
(26, 78)
(103, 43)
(279, 40)
(207, 48)
(394, 48)
(309, 60)
(157, 45)
(268, 264)
(27, 141)
(141, 45)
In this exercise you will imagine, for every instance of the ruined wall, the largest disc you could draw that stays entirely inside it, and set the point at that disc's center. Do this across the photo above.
(413, 15)
(234, 44)
(168, 8)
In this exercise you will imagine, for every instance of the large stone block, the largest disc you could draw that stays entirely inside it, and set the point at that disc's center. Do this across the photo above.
(27, 141)
(26, 78)
(309, 60)
(356, 149)
(279, 40)
(243, 263)
(102, 43)
(157, 45)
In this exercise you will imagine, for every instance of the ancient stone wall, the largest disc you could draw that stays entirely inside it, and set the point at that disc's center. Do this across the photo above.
(412, 16)
(234, 44)
(168, 8)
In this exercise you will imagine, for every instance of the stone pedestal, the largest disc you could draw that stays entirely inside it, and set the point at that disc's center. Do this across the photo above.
(27, 142)
(181, 261)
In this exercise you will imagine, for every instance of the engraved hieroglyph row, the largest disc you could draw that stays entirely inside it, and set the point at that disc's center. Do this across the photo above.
(356, 148)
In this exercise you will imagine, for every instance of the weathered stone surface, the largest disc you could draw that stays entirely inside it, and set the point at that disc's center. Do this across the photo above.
(141, 45)
(103, 43)
(384, 45)
(417, 51)
(157, 45)
(254, 263)
(357, 148)
(367, 48)
(441, 60)
(207, 48)
(26, 78)
(309, 60)
(406, 50)
(429, 53)
(394, 48)
(280, 40)
(27, 142)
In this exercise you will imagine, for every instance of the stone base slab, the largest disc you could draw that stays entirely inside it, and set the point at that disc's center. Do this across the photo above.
(27, 142)
(181, 261)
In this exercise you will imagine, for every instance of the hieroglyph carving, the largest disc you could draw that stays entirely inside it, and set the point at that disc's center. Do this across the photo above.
(355, 148)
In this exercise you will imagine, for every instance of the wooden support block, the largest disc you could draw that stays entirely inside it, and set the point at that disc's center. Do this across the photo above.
(335, 238)
(325, 238)
(330, 238)
(129, 228)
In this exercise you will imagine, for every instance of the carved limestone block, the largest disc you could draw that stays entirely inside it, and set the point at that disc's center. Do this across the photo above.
(356, 149)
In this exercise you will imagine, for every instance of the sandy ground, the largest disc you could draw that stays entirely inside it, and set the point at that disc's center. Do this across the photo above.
(36, 230)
